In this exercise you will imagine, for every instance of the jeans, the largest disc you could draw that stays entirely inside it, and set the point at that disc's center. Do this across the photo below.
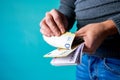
(95, 68)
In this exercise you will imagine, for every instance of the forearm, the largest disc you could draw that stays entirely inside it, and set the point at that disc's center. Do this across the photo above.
(109, 27)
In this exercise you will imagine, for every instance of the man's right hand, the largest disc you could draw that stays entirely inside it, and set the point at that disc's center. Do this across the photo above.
(53, 24)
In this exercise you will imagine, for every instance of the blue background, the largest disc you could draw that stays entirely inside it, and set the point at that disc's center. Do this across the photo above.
(21, 44)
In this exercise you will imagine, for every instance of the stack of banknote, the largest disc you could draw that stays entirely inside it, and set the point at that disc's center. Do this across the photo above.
(68, 49)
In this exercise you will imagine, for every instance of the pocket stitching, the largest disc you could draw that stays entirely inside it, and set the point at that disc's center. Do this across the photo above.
(109, 68)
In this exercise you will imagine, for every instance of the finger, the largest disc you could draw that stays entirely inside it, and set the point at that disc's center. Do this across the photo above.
(80, 32)
(87, 49)
(45, 29)
(58, 20)
(41, 22)
(79, 35)
(42, 31)
(52, 25)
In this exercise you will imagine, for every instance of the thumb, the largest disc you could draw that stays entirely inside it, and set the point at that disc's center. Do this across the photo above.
(79, 33)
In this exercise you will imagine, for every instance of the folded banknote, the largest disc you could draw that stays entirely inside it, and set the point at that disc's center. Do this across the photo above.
(72, 59)
(67, 49)
(63, 41)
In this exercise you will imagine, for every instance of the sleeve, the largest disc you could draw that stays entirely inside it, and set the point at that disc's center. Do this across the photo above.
(67, 8)
(116, 20)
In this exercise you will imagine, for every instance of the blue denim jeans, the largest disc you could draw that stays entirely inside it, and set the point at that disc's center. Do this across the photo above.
(95, 68)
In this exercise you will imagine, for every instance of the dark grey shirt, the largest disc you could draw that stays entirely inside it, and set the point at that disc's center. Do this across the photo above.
(92, 11)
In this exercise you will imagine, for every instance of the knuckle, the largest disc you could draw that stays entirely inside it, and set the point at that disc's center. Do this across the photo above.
(54, 28)
(57, 18)
(42, 22)
(48, 18)
(53, 10)
(42, 25)
(57, 33)
(47, 13)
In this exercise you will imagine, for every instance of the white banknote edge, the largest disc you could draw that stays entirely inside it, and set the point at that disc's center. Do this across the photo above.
(77, 58)
(59, 53)
(63, 41)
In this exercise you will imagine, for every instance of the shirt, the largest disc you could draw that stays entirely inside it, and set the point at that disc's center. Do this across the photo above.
(93, 11)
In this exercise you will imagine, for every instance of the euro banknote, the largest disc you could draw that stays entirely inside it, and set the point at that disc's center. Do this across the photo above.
(65, 44)
(74, 58)
(68, 49)
(63, 41)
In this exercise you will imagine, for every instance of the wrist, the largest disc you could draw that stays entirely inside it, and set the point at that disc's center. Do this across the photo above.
(109, 27)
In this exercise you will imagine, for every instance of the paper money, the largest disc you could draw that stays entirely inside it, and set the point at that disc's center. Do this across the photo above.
(60, 52)
(72, 59)
(68, 50)
(63, 41)
(65, 44)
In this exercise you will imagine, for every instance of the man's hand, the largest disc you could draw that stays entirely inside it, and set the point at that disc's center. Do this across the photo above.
(94, 34)
(53, 24)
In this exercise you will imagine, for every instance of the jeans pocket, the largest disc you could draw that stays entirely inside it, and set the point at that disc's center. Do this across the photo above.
(112, 65)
